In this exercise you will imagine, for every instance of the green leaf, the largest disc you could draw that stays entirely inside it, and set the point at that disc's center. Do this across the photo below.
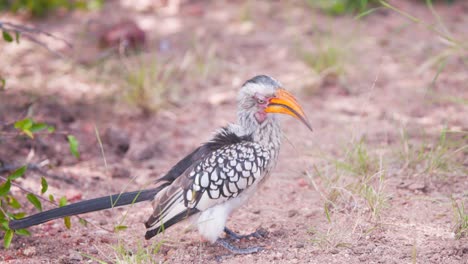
(6, 36)
(5, 188)
(63, 201)
(28, 133)
(73, 146)
(18, 173)
(44, 185)
(19, 215)
(51, 198)
(67, 221)
(2, 84)
(120, 228)
(51, 129)
(24, 124)
(33, 199)
(13, 203)
(5, 226)
(83, 222)
(38, 127)
(8, 237)
(22, 232)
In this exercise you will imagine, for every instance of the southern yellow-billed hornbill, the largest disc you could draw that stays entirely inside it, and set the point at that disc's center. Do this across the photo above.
(216, 178)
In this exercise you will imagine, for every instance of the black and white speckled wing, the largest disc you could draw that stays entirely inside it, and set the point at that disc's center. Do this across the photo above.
(225, 174)
(222, 173)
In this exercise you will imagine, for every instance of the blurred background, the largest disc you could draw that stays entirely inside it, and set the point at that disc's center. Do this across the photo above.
(96, 95)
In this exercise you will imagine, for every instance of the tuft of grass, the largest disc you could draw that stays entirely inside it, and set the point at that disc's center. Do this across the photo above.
(455, 47)
(140, 255)
(358, 161)
(369, 173)
(340, 7)
(123, 253)
(441, 157)
(460, 216)
(338, 234)
(354, 184)
(375, 196)
(326, 58)
(200, 62)
(152, 80)
(146, 84)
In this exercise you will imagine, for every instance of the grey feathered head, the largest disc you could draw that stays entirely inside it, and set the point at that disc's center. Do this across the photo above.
(262, 95)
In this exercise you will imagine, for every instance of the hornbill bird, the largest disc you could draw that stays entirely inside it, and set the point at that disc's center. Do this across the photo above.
(216, 178)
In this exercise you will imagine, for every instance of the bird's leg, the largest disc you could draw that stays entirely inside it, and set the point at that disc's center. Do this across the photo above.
(235, 250)
(259, 233)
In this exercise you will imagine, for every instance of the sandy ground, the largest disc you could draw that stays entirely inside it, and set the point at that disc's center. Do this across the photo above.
(380, 87)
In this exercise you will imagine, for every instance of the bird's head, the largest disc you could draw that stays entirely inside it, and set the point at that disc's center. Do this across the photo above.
(262, 96)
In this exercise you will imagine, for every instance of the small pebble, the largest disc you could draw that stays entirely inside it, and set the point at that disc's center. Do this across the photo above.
(74, 255)
(299, 245)
(29, 251)
(278, 255)
(292, 213)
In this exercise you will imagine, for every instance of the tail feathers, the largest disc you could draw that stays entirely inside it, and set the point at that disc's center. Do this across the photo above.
(174, 212)
(87, 206)
(159, 228)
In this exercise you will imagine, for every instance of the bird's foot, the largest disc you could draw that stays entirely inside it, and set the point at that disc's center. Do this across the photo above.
(235, 250)
(259, 233)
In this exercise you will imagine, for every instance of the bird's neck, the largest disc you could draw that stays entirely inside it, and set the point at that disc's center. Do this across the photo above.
(266, 133)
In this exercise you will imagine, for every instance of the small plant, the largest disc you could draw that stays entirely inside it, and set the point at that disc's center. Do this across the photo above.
(357, 182)
(358, 161)
(375, 197)
(454, 46)
(150, 81)
(147, 84)
(9, 204)
(339, 7)
(460, 218)
(442, 156)
(337, 235)
(370, 172)
(40, 8)
(326, 58)
(122, 253)
(140, 255)
(10, 207)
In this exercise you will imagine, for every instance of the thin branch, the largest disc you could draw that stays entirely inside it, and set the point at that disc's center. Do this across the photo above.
(22, 29)
(35, 167)
(30, 33)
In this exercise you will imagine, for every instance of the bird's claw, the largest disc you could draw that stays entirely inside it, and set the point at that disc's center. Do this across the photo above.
(235, 250)
(259, 233)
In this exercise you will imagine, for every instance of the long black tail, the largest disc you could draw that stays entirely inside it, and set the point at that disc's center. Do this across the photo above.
(87, 206)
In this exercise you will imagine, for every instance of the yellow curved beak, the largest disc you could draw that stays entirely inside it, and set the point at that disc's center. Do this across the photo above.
(285, 103)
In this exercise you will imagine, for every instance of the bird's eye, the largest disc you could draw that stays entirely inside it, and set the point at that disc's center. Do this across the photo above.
(260, 101)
